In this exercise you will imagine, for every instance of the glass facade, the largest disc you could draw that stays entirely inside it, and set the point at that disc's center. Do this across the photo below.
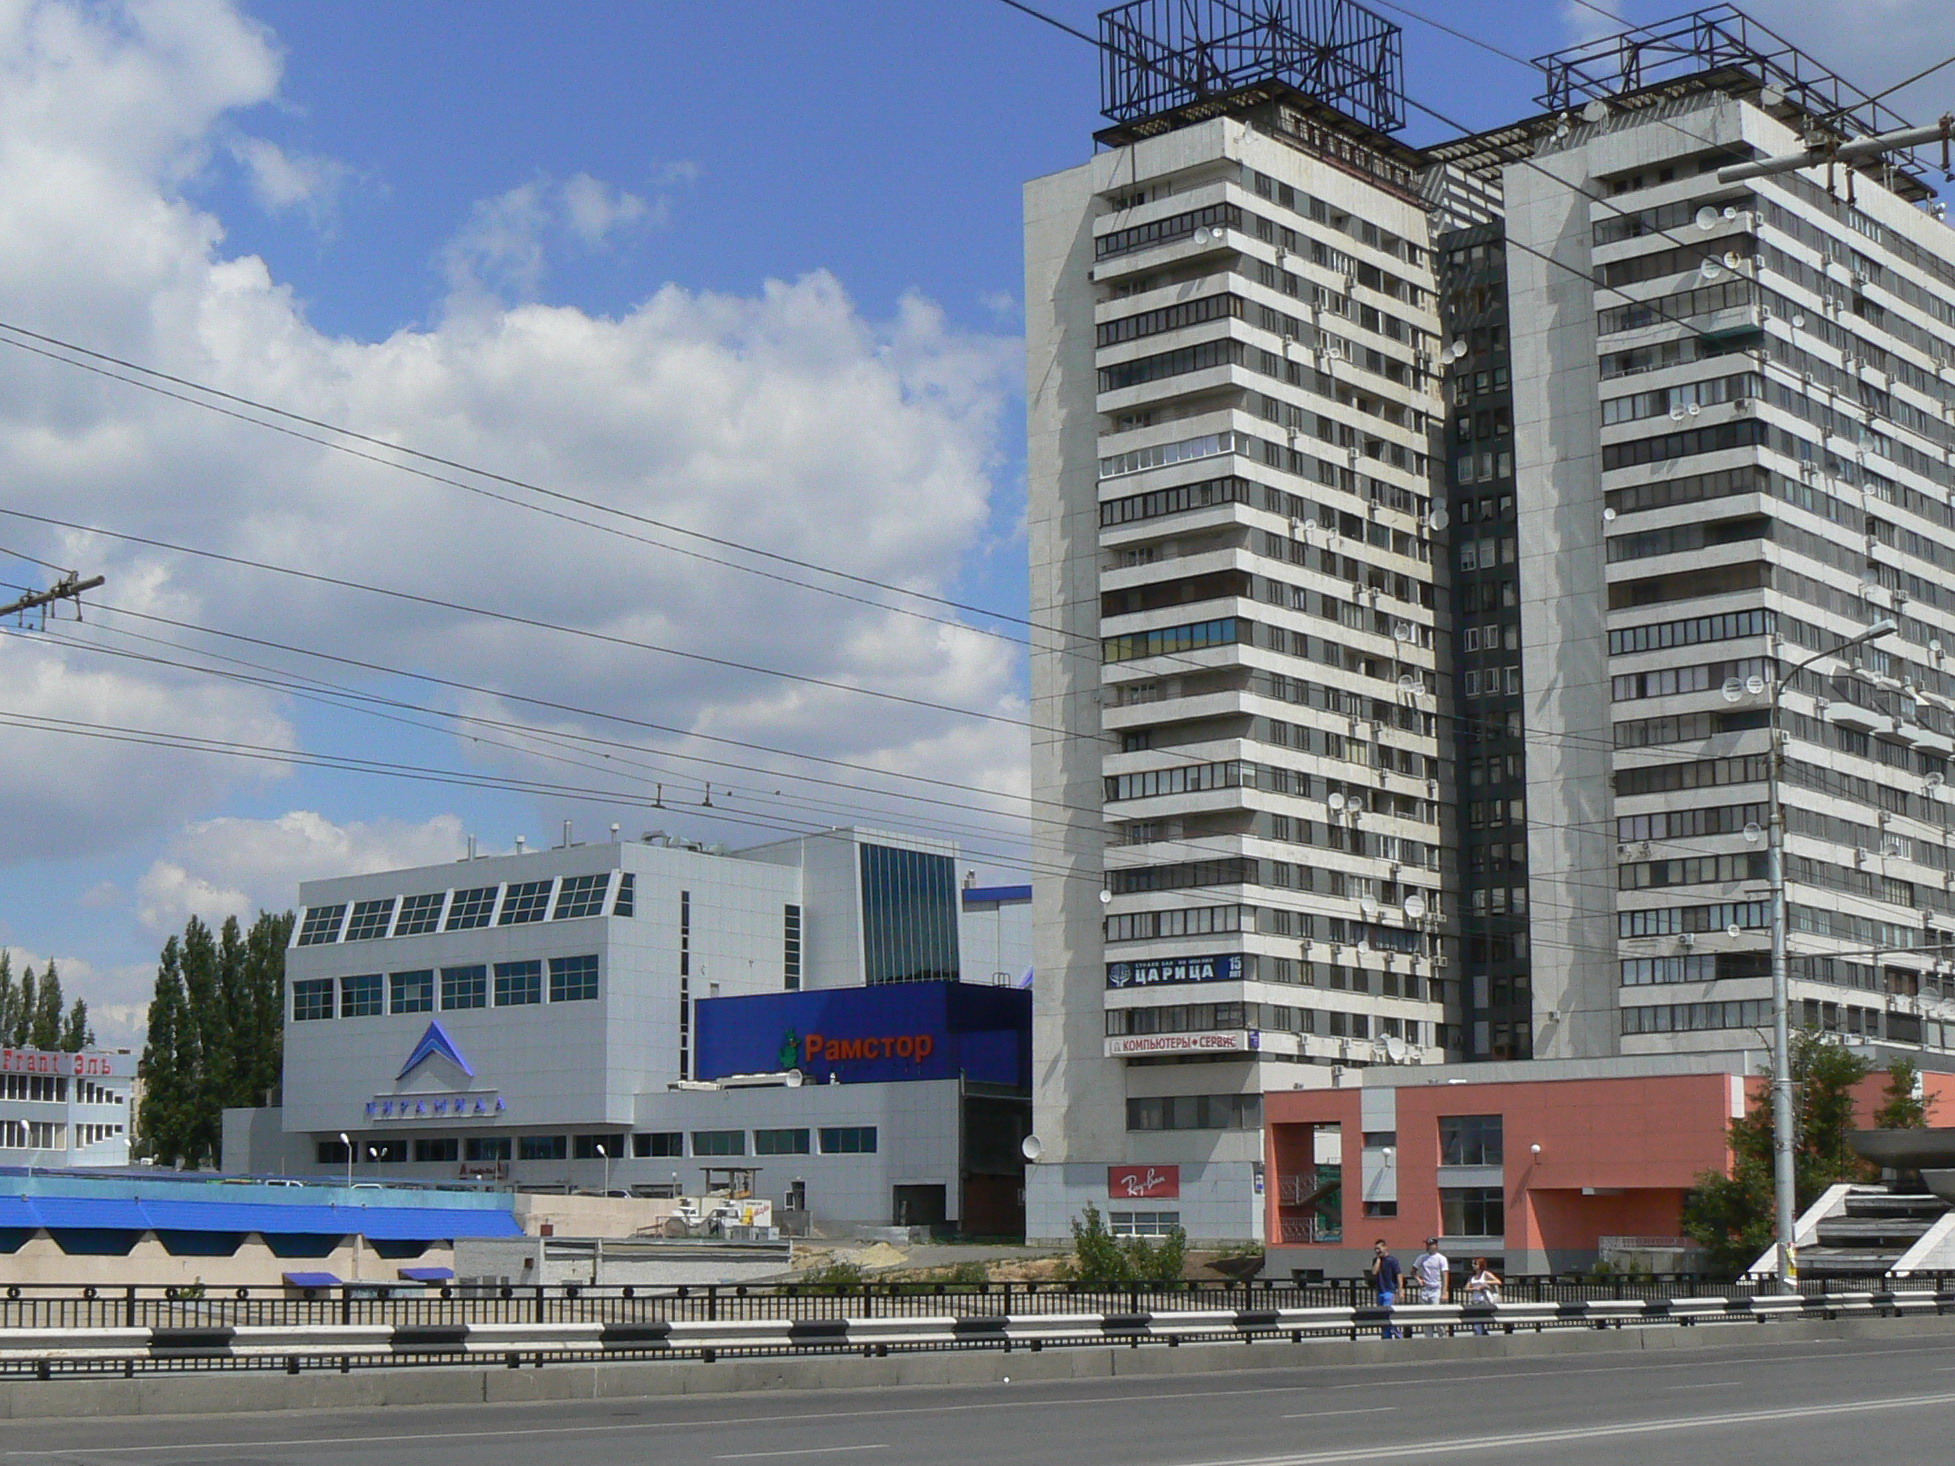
(909, 916)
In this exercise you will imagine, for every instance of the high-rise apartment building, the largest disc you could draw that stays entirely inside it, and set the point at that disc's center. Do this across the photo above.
(1701, 433)
(1423, 537)
(1239, 761)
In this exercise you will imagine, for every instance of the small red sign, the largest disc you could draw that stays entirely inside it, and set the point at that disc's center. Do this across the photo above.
(1143, 1183)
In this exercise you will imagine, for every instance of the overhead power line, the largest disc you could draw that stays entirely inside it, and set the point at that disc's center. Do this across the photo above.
(149, 377)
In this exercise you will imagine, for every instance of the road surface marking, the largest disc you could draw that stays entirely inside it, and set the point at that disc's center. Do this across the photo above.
(1468, 1444)
(1320, 1414)
(802, 1451)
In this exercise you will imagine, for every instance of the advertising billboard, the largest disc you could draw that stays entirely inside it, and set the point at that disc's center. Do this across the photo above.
(893, 1031)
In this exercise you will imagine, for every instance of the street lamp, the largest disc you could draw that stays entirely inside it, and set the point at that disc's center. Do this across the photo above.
(605, 1156)
(347, 1141)
(1782, 1139)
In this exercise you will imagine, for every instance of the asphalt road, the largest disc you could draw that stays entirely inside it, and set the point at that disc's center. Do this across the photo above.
(1806, 1401)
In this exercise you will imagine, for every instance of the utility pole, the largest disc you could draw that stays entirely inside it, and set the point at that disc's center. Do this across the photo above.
(68, 588)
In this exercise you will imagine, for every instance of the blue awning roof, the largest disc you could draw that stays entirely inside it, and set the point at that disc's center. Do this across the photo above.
(428, 1274)
(383, 1223)
(311, 1280)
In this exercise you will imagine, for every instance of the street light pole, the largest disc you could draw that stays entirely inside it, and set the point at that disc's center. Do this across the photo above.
(1784, 1174)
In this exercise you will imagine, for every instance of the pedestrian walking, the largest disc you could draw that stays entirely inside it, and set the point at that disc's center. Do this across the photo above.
(1386, 1275)
(1431, 1272)
(1482, 1287)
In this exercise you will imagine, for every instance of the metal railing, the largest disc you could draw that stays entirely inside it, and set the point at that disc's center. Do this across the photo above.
(59, 1306)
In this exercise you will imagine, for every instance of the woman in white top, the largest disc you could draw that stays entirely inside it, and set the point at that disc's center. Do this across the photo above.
(1482, 1286)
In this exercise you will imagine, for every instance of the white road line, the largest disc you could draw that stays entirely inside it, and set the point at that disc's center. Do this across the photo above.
(1320, 1414)
(803, 1451)
(1468, 1444)
(1709, 1384)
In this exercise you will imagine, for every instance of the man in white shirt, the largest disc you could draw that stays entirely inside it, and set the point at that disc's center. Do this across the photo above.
(1431, 1269)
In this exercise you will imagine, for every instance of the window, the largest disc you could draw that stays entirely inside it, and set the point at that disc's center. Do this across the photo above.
(370, 919)
(572, 979)
(420, 914)
(1197, 1111)
(719, 1142)
(518, 984)
(780, 1142)
(660, 1143)
(464, 987)
(1144, 1223)
(411, 992)
(438, 1148)
(848, 1140)
(582, 896)
(330, 1152)
(524, 902)
(585, 1147)
(791, 947)
(487, 1148)
(542, 1148)
(627, 902)
(321, 925)
(360, 997)
(1381, 1208)
(1471, 1211)
(312, 998)
(471, 909)
(909, 916)
(1470, 1140)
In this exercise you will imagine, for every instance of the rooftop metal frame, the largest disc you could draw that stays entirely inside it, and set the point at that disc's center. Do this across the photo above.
(1158, 56)
(1721, 38)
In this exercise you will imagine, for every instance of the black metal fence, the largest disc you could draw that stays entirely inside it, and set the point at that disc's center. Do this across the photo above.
(54, 1306)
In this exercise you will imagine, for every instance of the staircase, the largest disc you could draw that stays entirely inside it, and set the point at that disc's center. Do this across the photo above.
(1868, 1232)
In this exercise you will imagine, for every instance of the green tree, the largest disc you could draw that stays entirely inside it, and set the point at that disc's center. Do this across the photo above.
(160, 1129)
(1732, 1217)
(1100, 1257)
(44, 1024)
(216, 1035)
(27, 1002)
(1901, 1108)
(9, 997)
(76, 1031)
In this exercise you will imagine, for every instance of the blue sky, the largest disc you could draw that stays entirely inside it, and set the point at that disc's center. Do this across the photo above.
(754, 267)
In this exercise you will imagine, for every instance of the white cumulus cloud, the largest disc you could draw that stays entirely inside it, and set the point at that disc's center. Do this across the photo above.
(229, 866)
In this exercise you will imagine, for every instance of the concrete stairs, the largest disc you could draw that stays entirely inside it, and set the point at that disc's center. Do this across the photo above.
(1869, 1232)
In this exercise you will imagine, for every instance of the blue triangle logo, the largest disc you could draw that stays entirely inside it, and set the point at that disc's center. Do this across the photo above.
(435, 1041)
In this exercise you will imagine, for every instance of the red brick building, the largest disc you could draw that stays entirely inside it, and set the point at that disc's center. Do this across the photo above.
(1535, 1171)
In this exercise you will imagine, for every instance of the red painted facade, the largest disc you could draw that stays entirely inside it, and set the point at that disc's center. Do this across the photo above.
(1615, 1157)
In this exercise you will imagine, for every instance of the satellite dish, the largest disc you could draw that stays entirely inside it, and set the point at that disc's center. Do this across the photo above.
(1770, 97)
(1031, 1147)
(1608, 516)
(1730, 211)
(1415, 906)
(1798, 320)
(1596, 111)
(1754, 832)
(1439, 519)
(1755, 685)
(1401, 632)
(1457, 349)
(1733, 689)
(1732, 259)
(1734, 930)
(1105, 895)
(1336, 801)
(1693, 409)
(1710, 270)
(1201, 236)
(1707, 217)
(1405, 682)
(1935, 781)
